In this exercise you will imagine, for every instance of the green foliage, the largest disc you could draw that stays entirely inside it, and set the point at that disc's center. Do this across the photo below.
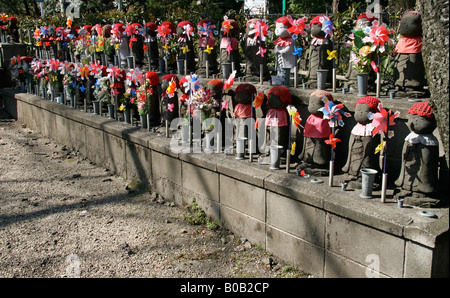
(196, 216)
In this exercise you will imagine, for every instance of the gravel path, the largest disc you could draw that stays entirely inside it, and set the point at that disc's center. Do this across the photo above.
(63, 216)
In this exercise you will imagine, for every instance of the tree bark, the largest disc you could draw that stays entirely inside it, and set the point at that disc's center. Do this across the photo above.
(435, 19)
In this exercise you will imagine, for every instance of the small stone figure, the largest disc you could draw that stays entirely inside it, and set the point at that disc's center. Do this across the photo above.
(121, 44)
(244, 95)
(185, 32)
(151, 42)
(420, 160)
(362, 144)
(315, 152)
(284, 47)
(229, 45)
(277, 117)
(13, 30)
(165, 33)
(154, 94)
(109, 50)
(207, 47)
(135, 32)
(318, 52)
(169, 101)
(410, 70)
(255, 45)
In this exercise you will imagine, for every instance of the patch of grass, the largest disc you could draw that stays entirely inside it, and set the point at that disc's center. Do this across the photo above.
(196, 216)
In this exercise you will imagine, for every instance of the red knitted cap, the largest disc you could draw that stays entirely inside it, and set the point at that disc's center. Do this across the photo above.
(285, 21)
(169, 78)
(184, 23)
(316, 20)
(216, 82)
(372, 102)
(282, 92)
(246, 88)
(153, 77)
(422, 109)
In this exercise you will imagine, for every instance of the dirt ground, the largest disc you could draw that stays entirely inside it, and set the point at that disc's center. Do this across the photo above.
(63, 216)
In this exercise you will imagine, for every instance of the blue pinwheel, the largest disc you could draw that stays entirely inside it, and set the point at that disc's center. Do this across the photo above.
(297, 51)
(333, 112)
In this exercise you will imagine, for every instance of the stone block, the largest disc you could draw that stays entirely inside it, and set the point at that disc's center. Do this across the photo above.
(340, 267)
(243, 197)
(418, 261)
(115, 159)
(305, 255)
(296, 218)
(243, 225)
(357, 243)
(200, 181)
(138, 163)
(94, 144)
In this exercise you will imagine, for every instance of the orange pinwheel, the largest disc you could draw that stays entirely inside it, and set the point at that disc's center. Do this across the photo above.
(332, 141)
(259, 99)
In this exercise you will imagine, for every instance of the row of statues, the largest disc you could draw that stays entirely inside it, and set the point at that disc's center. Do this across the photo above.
(152, 43)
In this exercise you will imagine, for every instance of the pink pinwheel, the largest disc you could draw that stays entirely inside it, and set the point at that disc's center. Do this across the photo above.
(95, 68)
(54, 64)
(224, 105)
(382, 120)
(260, 30)
(170, 107)
(379, 35)
(261, 51)
(115, 73)
(189, 31)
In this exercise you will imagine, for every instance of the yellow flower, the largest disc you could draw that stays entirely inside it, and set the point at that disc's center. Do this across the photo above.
(365, 50)
(122, 108)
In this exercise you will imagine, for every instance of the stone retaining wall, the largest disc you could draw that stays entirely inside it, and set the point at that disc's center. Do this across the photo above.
(318, 228)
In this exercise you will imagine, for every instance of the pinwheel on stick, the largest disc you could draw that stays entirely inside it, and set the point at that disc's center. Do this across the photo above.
(381, 122)
(334, 113)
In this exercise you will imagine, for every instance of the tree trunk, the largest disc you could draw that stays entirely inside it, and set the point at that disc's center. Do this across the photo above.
(435, 19)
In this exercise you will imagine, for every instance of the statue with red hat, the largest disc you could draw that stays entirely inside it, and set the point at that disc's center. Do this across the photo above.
(151, 43)
(315, 152)
(319, 47)
(229, 44)
(277, 117)
(409, 69)
(284, 46)
(207, 47)
(362, 144)
(418, 181)
(185, 33)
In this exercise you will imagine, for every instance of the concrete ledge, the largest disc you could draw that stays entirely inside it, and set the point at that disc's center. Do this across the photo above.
(322, 230)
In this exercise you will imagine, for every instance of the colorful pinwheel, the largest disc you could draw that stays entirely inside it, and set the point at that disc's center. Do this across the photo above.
(333, 112)
(382, 120)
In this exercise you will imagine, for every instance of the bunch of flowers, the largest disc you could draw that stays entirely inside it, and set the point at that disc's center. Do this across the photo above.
(368, 44)
(134, 79)
(54, 74)
(67, 70)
